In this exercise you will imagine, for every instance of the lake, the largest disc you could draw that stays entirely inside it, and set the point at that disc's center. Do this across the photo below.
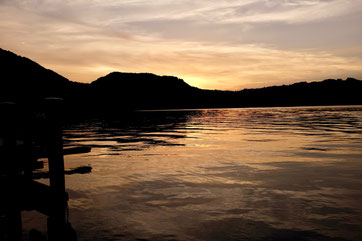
(218, 174)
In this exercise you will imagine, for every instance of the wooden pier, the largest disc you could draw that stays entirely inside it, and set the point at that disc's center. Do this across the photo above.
(25, 137)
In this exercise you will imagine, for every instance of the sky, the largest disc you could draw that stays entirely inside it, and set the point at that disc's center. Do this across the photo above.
(213, 44)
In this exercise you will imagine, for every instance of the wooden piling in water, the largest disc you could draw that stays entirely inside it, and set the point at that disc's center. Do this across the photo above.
(54, 146)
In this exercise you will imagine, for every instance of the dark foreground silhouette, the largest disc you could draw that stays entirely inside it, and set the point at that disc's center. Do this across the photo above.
(24, 81)
(26, 136)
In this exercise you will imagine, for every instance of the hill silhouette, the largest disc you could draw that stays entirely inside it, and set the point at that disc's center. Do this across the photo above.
(145, 91)
(24, 81)
(327, 92)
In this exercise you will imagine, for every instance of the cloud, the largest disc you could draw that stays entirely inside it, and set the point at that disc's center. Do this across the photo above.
(286, 11)
(217, 44)
(95, 11)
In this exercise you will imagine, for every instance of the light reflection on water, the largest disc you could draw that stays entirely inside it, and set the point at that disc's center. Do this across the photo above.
(224, 174)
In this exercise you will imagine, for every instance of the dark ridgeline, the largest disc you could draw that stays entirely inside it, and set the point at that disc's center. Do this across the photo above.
(23, 80)
(26, 82)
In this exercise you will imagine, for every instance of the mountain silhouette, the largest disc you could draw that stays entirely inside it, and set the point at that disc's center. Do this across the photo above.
(145, 91)
(327, 92)
(24, 81)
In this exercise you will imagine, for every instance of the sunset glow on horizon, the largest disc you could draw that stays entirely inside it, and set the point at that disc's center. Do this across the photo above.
(228, 45)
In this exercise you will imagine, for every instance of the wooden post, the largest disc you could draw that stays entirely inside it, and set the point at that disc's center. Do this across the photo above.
(54, 146)
(9, 172)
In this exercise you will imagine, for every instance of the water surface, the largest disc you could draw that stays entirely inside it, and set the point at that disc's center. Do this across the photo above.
(223, 174)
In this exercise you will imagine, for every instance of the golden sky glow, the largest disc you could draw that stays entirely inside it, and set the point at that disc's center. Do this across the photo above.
(210, 44)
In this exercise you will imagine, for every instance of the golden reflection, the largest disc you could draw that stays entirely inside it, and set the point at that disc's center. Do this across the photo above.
(259, 165)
